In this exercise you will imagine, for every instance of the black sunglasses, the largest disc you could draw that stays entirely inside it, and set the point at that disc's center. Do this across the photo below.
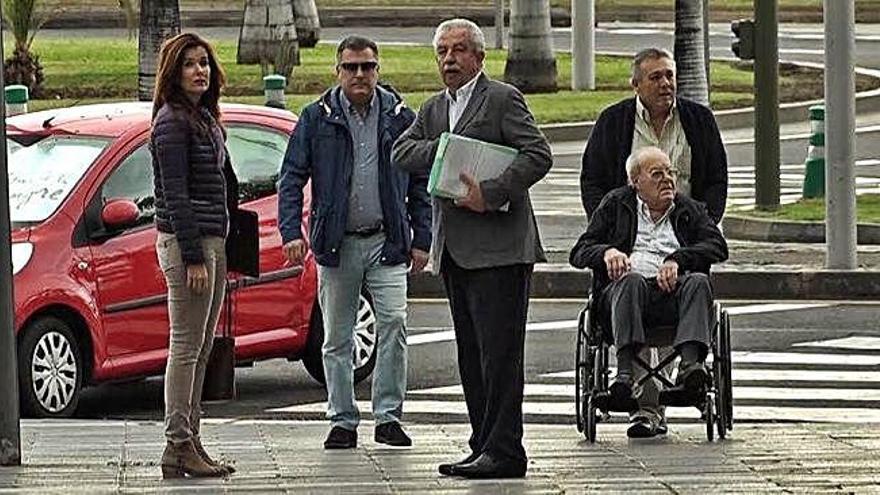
(352, 67)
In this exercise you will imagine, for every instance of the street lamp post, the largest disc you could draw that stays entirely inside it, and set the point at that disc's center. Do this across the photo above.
(840, 118)
(10, 434)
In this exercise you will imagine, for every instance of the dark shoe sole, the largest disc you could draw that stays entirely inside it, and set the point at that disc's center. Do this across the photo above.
(641, 430)
(393, 443)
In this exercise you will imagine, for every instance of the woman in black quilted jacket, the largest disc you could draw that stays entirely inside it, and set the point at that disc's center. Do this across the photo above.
(194, 186)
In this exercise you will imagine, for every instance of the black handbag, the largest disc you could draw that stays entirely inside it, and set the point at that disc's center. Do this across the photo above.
(243, 243)
(220, 371)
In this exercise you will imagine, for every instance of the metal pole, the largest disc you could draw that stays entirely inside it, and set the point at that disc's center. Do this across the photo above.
(499, 24)
(10, 432)
(840, 120)
(766, 105)
(583, 45)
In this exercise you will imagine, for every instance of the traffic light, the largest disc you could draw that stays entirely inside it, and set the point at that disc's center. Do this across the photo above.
(744, 45)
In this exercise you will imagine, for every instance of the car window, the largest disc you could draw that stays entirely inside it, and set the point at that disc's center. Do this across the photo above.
(256, 153)
(42, 174)
(133, 180)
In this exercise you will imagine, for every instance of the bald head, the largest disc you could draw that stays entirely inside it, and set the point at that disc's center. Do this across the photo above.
(643, 156)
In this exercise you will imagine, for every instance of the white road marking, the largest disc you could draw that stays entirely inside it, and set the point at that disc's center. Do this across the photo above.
(855, 342)
(778, 375)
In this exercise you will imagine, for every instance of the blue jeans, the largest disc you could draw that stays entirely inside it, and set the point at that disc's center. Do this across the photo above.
(339, 289)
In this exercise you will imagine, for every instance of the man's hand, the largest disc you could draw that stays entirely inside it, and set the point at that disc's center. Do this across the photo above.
(616, 263)
(197, 277)
(667, 277)
(294, 251)
(419, 260)
(474, 198)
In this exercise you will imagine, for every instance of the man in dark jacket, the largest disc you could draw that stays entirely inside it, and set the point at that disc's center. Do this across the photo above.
(686, 131)
(650, 250)
(368, 221)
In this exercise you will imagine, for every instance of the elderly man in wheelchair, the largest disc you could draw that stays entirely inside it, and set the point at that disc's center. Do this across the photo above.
(650, 250)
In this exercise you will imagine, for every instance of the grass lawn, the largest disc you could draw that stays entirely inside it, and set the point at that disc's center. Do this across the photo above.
(867, 208)
(104, 69)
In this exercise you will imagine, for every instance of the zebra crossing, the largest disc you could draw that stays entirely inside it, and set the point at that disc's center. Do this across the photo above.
(816, 381)
(559, 192)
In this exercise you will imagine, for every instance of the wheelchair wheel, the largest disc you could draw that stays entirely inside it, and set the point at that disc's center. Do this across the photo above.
(726, 387)
(709, 414)
(583, 369)
(590, 416)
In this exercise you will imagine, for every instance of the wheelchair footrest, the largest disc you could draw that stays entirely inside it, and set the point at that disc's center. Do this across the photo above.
(680, 397)
(605, 401)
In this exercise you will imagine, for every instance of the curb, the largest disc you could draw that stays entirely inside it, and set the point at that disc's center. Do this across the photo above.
(559, 282)
(756, 229)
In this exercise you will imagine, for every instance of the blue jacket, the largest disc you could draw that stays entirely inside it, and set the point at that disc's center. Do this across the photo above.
(320, 149)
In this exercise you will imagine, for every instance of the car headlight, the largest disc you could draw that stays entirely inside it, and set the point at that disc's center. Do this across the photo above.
(21, 254)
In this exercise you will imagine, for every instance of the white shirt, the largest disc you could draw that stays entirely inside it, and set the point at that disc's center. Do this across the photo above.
(458, 101)
(654, 240)
(671, 140)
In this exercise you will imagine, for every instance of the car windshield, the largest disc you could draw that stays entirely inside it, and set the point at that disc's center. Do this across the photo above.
(43, 173)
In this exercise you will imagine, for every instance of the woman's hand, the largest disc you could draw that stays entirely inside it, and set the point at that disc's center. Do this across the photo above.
(197, 277)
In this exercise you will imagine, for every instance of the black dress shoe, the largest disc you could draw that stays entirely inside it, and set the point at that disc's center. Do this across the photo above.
(392, 434)
(451, 469)
(489, 466)
(340, 438)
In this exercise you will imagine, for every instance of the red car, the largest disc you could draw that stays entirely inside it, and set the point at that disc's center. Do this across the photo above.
(90, 300)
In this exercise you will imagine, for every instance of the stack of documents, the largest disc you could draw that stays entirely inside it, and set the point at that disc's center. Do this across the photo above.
(457, 154)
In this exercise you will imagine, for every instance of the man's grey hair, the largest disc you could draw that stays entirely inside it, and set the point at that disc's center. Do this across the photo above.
(478, 39)
(647, 54)
(636, 159)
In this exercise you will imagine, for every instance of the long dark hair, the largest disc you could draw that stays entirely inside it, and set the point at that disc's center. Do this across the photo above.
(169, 71)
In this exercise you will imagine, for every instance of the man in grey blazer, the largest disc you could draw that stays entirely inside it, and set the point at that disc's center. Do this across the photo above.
(484, 253)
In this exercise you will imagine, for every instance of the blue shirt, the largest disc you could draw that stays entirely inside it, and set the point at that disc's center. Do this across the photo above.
(364, 204)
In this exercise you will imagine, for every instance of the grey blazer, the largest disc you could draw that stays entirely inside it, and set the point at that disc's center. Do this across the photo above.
(496, 113)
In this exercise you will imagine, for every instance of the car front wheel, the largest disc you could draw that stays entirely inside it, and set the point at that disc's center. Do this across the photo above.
(50, 369)
(364, 349)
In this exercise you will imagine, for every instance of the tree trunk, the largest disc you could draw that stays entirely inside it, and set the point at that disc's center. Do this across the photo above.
(268, 37)
(159, 21)
(531, 66)
(689, 51)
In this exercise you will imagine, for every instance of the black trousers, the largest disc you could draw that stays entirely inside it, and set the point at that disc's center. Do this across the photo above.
(489, 311)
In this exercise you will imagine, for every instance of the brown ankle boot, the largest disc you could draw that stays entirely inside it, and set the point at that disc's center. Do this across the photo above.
(197, 442)
(181, 460)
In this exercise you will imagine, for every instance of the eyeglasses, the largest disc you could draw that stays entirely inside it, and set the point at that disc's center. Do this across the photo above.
(352, 67)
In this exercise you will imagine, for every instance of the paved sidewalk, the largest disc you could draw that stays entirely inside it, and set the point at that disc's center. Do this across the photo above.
(286, 457)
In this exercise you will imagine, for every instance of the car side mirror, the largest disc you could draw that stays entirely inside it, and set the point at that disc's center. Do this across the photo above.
(118, 214)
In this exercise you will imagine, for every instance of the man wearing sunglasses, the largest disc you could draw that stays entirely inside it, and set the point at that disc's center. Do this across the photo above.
(368, 222)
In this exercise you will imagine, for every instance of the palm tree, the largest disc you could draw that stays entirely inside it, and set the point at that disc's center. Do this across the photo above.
(159, 20)
(530, 66)
(24, 18)
(269, 37)
(690, 61)
(308, 26)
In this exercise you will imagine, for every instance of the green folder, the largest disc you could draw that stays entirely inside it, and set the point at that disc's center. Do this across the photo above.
(456, 154)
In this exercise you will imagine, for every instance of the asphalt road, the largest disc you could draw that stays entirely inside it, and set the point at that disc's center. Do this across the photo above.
(799, 361)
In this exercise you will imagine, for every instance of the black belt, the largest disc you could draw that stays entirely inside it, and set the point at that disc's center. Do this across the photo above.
(367, 232)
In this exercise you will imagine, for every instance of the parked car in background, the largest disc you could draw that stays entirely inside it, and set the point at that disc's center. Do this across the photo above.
(90, 298)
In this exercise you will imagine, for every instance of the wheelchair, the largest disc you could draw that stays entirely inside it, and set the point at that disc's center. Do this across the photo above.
(592, 374)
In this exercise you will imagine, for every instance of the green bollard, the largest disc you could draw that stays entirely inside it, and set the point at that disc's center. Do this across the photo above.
(273, 89)
(16, 99)
(814, 175)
